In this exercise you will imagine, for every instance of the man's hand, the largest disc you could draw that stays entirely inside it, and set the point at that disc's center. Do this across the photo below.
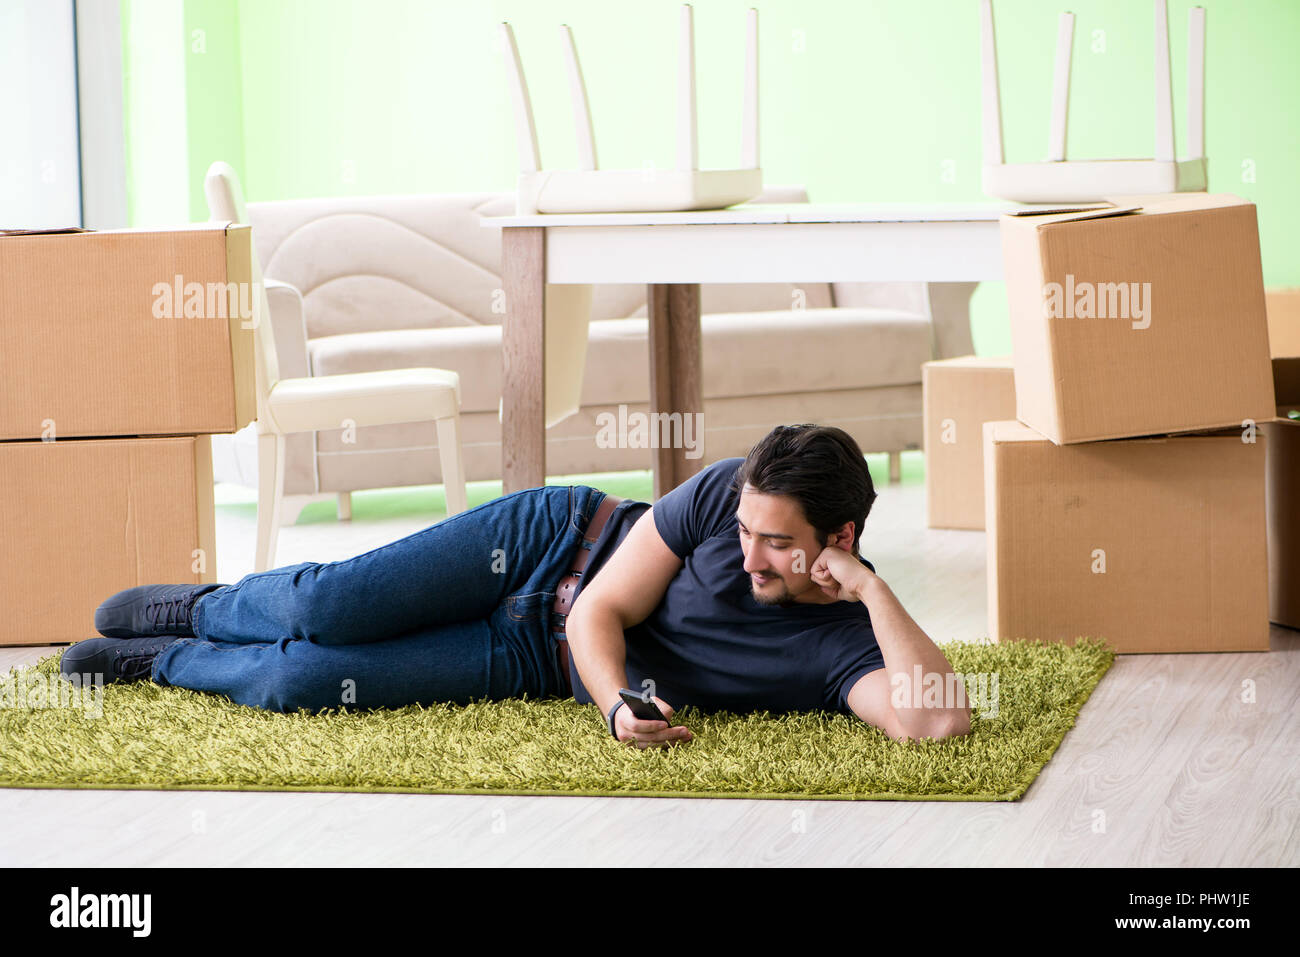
(840, 575)
(649, 734)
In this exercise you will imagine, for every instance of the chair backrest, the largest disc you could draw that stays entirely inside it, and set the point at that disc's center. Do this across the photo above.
(530, 160)
(226, 205)
(1164, 93)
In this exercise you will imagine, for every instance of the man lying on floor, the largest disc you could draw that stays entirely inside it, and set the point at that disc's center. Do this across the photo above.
(740, 590)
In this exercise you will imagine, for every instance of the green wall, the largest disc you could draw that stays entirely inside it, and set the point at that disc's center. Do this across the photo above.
(154, 112)
(866, 100)
(213, 92)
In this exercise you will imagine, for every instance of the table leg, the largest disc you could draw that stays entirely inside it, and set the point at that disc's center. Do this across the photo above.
(675, 384)
(523, 352)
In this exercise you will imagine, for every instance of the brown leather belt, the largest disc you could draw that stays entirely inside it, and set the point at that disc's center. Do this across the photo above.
(568, 587)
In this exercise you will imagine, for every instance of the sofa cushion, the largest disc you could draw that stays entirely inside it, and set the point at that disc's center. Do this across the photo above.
(767, 353)
(472, 351)
(759, 297)
(405, 453)
(743, 354)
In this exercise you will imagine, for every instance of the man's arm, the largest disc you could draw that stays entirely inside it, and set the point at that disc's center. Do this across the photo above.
(905, 647)
(629, 587)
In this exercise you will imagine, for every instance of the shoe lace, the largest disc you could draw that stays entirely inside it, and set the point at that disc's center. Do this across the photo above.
(168, 612)
(132, 667)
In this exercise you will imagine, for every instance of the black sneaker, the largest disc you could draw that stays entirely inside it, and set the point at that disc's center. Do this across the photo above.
(116, 659)
(148, 610)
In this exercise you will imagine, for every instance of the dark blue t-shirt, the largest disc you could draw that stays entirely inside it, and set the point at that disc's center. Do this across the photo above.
(708, 643)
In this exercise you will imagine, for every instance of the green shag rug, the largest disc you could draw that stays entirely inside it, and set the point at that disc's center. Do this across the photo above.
(151, 737)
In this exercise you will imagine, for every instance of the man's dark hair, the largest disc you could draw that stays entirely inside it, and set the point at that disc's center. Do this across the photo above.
(820, 467)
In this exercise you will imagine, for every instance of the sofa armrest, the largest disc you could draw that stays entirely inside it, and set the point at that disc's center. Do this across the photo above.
(290, 329)
(945, 304)
(949, 309)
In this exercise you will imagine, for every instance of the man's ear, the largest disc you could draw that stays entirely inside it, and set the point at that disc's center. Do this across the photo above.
(843, 538)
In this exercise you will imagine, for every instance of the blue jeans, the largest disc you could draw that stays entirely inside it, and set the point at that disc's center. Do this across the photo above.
(457, 612)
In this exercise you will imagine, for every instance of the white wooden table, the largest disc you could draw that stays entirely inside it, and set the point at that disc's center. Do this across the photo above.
(672, 253)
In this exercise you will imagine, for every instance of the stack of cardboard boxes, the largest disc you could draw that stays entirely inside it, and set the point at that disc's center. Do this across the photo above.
(1125, 499)
(121, 352)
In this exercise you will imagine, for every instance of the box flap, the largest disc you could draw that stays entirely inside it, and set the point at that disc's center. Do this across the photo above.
(200, 227)
(1074, 215)
(1011, 431)
(1148, 204)
(45, 231)
(1040, 209)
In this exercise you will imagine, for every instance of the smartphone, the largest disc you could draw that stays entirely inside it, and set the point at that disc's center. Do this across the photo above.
(643, 708)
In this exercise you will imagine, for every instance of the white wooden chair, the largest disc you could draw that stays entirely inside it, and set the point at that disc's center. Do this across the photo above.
(1058, 180)
(286, 406)
(589, 189)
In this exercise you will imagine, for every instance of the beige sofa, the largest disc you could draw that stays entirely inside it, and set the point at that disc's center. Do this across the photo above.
(395, 281)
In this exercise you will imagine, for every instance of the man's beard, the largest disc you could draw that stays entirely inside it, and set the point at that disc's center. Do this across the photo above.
(782, 597)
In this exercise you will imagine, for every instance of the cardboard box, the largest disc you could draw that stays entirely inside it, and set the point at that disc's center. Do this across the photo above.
(1283, 306)
(1138, 323)
(959, 396)
(1282, 447)
(1154, 545)
(126, 332)
(84, 519)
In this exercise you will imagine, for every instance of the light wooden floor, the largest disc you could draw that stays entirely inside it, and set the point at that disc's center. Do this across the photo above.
(1166, 766)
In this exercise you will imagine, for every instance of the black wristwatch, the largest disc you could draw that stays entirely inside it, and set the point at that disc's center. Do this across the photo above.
(609, 718)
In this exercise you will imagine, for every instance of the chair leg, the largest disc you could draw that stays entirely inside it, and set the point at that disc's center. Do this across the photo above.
(292, 506)
(345, 506)
(453, 464)
(895, 467)
(270, 489)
